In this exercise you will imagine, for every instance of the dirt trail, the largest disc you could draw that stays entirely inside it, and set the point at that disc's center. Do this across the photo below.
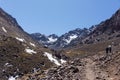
(89, 70)
(93, 72)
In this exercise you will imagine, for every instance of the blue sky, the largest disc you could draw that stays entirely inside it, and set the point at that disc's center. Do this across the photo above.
(59, 16)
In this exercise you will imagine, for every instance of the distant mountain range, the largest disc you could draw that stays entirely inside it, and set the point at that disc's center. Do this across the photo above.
(78, 35)
(45, 40)
(55, 42)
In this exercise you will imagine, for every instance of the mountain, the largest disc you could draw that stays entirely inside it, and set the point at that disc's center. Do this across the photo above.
(103, 34)
(20, 53)
(22, 57)
(52, 38)
(106, 30)
(110, 25)
(67, 38)
(40, 38)
(55, 42)
(45, 40)
(88, 57)
(84, 34)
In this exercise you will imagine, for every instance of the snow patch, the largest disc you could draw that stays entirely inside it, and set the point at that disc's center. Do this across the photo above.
(51, 58)
(4, 29)
(8, 65)
(13, 78)
(30, 51)
(32, 44)
(62, 61)
(20, 39)
(70, 38)
(51, 40)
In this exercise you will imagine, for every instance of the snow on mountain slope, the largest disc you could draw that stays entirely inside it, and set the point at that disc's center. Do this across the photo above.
(20, 39)
(32, 44)
(4, 29)
(45, 40)
(51, 39)
(30, 51)
(72, 37)
(12, 78)
(51, 58)
(67, 38)
(54, 59)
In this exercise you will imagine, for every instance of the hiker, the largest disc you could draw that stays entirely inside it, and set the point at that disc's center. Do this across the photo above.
(108, 50)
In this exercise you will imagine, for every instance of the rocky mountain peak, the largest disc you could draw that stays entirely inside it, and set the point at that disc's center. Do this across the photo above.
(117, 13)
(53, 41)
(8, 18)
(53, 36)
(109, 25)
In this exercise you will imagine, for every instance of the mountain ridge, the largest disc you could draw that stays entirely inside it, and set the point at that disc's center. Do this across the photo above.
(20, 53)
(64, 41)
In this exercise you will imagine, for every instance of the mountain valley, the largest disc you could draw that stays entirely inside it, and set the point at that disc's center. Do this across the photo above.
(76, 55)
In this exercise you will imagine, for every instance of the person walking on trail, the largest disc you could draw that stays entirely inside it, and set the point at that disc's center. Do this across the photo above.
(108, 50)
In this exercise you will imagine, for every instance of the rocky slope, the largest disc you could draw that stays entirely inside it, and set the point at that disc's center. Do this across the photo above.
(20, 53)
(104, 34)
(88, 56)
(106, 30)
(91, 67)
